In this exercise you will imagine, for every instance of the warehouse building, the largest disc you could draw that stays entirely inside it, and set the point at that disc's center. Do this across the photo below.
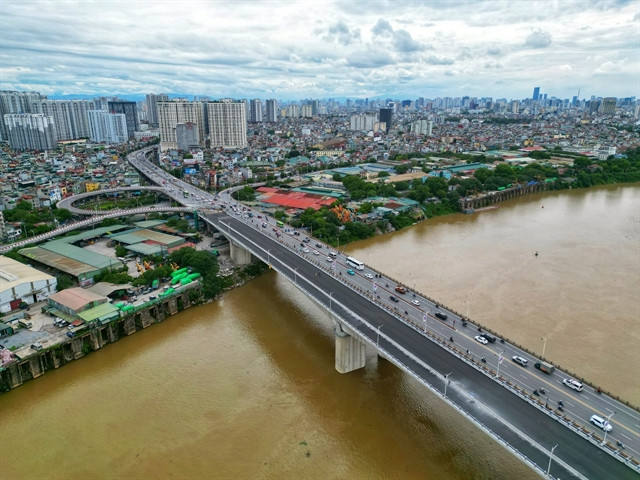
(20, 283)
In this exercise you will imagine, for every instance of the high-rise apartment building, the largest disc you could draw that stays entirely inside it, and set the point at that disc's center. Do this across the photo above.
(187, 136)
(108, 127)
(30, 131)
(180, 111)
(536, 93)
(363, 123)
(71, 117)
(255, 110)
(227, 124)
(16, 102)
(272, 110)
(306, 111)
(386, 116)
(608, 106)
(130, 110)
(152, 106)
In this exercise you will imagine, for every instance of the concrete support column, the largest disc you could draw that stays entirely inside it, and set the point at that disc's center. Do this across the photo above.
(239, 255)
(350, 352)
(15, 376)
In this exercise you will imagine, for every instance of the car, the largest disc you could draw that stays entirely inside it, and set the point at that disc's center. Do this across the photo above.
(601, 423)
(329, 259)
(351, 272)
(306, 240)
(305, 250)
(318, 245)
(571, 383)
(481, 340)
(368, 275)
(36, 346)
(393, 298)
(441, 316)
(520, 361)
(264, 225)
(71, 334)
(489, 338)
(415, 302)
(316, 252)
(401, 289)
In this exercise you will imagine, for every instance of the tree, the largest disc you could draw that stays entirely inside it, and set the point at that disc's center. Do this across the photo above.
(383, 174)
(120, 251)
(64, 281)
(401, 169)
(62, 214)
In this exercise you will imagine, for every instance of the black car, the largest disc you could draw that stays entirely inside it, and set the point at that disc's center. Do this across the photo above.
(489, 337)
(441, 315)
(318, 245)
(394, 298)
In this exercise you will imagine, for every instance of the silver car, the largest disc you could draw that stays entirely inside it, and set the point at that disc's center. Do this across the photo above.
(520, 361)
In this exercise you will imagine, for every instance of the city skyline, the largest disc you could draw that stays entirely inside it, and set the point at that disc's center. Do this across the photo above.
(296, 50)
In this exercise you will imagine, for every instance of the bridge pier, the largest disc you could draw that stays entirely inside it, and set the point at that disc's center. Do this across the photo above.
(239, 255)
(350, 352)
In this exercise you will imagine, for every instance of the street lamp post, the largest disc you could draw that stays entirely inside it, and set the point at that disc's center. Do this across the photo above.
(604, 441)
(378, 338)
(544, 345)
(550, 458)
(295, 275)
(269, 257)
(330, 302)
(446, 382)
(500, 358)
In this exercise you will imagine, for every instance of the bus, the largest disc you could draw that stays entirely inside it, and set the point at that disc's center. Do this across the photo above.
(357, 264)
(279, 223)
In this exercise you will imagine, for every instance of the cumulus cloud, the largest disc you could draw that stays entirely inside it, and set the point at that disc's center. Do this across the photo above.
(341, 33)
(435, 60)
(538, 39)
(401, 40)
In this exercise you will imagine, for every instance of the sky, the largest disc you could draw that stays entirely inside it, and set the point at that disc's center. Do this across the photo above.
(322, 49)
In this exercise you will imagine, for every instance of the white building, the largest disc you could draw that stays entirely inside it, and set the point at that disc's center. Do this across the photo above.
(227, 124)
(363, 123)
(30, 131)
(179, 111)
(69, 116)
(107, 127)
(22, 283)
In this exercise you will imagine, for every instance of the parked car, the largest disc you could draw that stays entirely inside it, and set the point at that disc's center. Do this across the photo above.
(36, 346)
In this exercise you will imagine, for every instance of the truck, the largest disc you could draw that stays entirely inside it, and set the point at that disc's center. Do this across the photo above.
(545, 367)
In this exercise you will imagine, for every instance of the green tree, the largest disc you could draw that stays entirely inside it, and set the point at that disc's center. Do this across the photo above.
(383, 174)
(64, 281)
(120, 251)
(62, 214)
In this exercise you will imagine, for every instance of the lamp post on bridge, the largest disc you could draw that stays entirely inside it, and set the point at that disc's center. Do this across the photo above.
(544, 345)
(295, 275)
(330, 303)
(500, 359)
(606, 427)
(378, 338)
(446, 382)
(551, 458)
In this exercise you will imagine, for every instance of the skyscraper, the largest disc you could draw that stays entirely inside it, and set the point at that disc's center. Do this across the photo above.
(16, 102)
(152, 106)
(179, 111)
(255, 110)
(608, 106)
(227, 124)
(386, 116)
(108, 127)
(131, 112)
(69, 116)
(30, 131)
(272, 110)
(536, 93)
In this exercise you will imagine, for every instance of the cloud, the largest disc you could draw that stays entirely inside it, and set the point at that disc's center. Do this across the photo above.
(538, 39)
(401, 40)
(369, 59)
(434, 60)
(382, 28)
(342, 34)
(494, 51)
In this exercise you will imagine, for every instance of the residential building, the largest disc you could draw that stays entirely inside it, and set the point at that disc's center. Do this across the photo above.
(152, 106)
(16, 102)
(107, 127)
(130, 110)
(30, 131)
(70, 116)
(386, 116)
(227, 124)
(272, 110)
(170, 114)
(255, 110)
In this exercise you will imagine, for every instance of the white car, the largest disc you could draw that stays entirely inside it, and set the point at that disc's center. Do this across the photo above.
(329, 259)
(415, 302)
(316, 252)
(368, 275)
(601, 423)
(481, 340)
(306, 250)
(519, 360)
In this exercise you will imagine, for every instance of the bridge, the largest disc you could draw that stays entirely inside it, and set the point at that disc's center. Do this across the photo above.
(555, 439)
(443, 354)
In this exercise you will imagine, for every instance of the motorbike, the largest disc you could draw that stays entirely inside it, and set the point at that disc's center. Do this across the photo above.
(483, 360)
(542, 391)
(560, 403)
(451, 339)
(464, 324)
(535, 392)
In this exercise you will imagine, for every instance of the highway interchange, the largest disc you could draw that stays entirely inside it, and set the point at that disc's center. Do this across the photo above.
(429, 348)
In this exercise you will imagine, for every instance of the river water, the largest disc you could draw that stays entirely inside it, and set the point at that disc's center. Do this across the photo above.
(245, 387)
